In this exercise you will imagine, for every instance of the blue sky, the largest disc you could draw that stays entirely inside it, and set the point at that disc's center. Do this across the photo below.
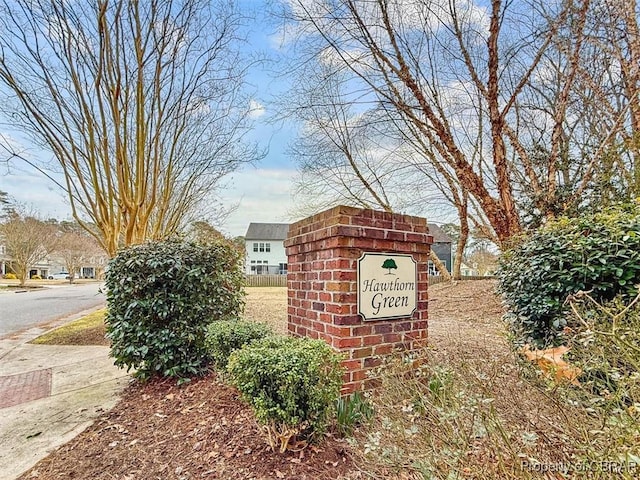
(262, 191)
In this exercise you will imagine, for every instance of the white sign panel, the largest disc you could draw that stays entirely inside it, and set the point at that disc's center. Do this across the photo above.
(387, 286)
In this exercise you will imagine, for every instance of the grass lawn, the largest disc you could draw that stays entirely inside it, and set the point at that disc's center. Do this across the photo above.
(88, 330)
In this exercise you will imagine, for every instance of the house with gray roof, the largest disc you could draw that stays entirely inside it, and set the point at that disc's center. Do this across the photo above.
(265, 249)
(441, 247)
(266, 255)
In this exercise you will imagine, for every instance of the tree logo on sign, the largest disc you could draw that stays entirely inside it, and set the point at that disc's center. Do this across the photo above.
(389, 263)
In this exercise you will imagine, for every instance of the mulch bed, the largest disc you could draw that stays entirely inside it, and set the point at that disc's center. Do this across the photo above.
(200, 430)
(203, 430)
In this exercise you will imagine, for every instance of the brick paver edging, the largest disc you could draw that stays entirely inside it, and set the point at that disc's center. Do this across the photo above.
(25, 387)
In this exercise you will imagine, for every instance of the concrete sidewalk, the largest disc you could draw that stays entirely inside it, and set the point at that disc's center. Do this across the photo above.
(49, 394)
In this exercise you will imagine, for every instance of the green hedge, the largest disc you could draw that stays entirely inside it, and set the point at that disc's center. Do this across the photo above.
(161, 296)
(292, 385)
(598, 253)
(225, 337)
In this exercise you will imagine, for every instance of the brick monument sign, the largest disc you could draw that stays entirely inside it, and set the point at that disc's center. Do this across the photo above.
(357, 278)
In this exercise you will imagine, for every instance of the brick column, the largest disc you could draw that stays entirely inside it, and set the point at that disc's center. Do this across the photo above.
(323, 252)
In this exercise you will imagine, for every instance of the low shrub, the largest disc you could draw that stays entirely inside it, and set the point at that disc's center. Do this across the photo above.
(599, 253)
(291, 383)
(227, 336)
(605, 345)
(162, 296)
(36, 277)
(10, 276)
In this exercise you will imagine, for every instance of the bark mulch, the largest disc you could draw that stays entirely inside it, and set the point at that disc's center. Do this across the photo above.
(200, 430)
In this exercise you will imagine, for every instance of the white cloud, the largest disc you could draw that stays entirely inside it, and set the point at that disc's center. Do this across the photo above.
(262, 195)
(256, 109)
(24, 183)
(405, 14)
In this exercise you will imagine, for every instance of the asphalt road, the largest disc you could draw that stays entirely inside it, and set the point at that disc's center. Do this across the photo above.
(19, 311)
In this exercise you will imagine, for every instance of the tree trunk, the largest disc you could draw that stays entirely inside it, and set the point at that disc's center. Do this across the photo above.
(21, 274)
(442, 269)
(462, 243)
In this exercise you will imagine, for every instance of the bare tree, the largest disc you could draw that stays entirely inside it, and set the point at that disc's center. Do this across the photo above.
(608, 96)
(574, 119)
(76, 249)
(204, 232)
(339, 150)
(141, 103)
(28, 240)
(456, 73)
(353, 150)
(343, 155)
(484, 261)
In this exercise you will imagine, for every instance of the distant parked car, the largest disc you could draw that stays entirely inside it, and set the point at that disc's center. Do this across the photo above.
(59, 276)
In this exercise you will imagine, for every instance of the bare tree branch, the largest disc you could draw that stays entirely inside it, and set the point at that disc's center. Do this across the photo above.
(141, 103)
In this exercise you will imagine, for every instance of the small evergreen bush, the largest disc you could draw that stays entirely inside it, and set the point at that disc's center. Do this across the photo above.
(291, 383)
(599, 253)
(161, 296)
(227, 336)
(10, 276)
(36, 277)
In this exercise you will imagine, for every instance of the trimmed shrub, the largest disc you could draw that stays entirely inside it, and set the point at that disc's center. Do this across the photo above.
(225, 337)
(36, 277)
(161, 296)
(599, 253)
(291, 384)
(10, 276)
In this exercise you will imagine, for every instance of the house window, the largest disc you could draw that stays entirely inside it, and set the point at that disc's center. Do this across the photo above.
(433, 270)
(267, 247)
(282, 269)
(262, 247)
(255, 247)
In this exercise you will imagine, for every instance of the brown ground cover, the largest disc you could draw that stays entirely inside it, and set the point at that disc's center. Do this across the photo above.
(90, 336)
(203, 430)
